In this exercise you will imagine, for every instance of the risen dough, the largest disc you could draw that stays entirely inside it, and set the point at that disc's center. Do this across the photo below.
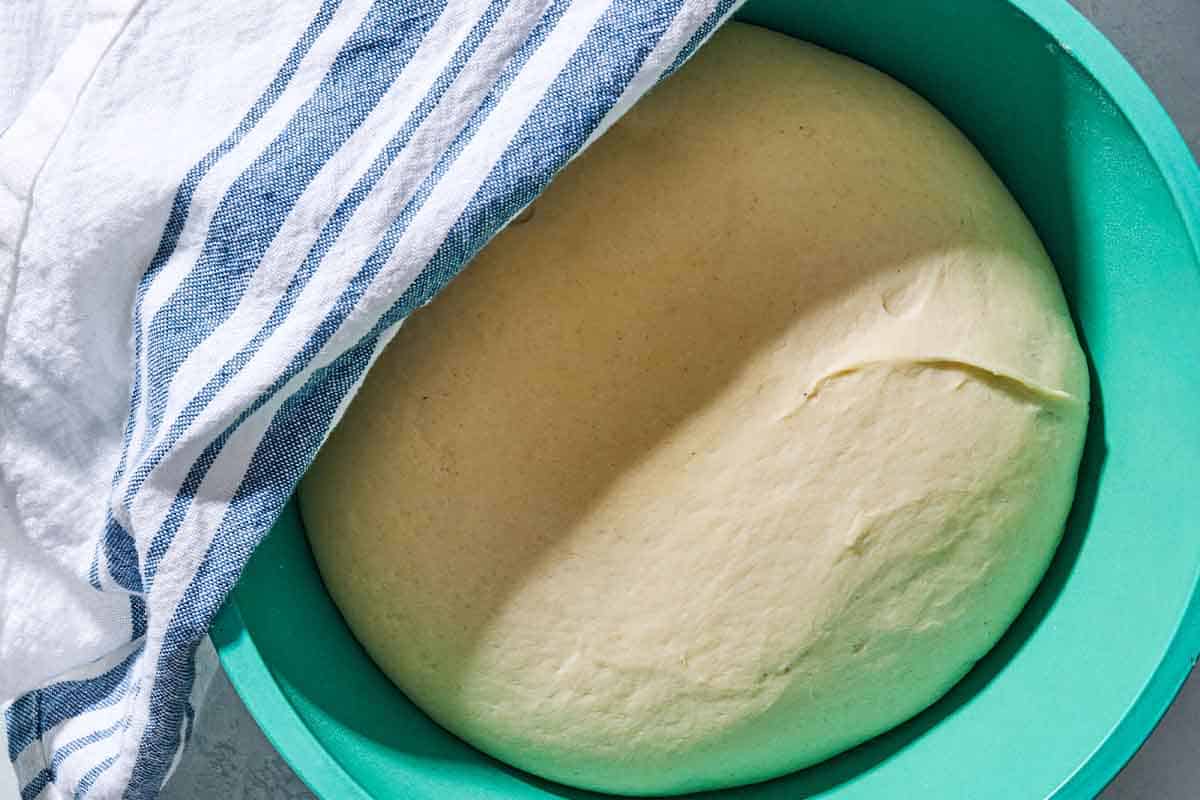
(740, 450)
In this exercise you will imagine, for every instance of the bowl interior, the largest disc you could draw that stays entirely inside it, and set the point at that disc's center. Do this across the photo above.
(1080, 679)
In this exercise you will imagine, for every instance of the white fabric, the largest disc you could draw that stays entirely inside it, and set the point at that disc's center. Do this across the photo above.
(33, 36)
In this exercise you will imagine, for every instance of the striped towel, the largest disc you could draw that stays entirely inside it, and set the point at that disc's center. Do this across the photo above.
(213, 215)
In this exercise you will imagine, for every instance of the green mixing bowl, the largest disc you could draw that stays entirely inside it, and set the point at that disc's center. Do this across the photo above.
(1078, 682)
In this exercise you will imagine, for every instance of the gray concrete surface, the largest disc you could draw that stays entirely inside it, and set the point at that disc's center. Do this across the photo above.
(232, 760)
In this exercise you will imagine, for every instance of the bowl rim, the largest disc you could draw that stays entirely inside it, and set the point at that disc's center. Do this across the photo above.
(1132, 97)
(1140, 107)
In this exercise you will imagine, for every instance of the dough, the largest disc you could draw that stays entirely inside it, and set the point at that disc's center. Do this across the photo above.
(738, 449)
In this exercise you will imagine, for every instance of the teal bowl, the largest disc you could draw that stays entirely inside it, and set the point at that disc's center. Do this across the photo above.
(1078, 682)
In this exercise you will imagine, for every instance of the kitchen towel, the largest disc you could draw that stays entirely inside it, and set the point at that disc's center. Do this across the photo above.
(213, 215)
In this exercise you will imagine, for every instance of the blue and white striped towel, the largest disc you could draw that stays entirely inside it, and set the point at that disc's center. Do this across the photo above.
(213, 215)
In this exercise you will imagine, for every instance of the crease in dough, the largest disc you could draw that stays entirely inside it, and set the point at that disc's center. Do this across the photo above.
(995, 377)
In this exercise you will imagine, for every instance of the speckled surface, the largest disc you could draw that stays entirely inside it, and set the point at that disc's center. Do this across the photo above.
(229, 757)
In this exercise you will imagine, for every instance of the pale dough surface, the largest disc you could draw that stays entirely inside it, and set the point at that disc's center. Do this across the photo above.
(741, 449)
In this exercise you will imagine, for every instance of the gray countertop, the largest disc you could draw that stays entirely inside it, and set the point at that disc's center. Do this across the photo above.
(230, 759)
